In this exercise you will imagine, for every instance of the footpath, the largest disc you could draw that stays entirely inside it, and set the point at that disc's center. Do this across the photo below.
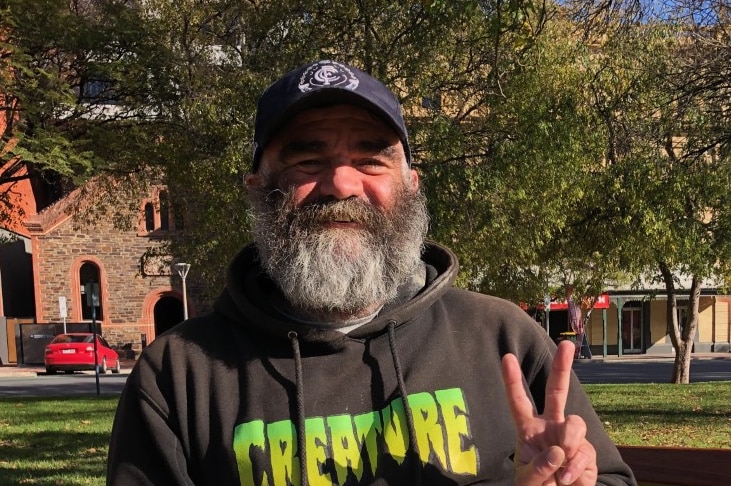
(35, 370)
(13, 370)
(652, 357)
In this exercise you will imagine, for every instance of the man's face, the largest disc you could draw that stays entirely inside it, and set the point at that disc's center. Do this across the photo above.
(338, 152)
(338, 218)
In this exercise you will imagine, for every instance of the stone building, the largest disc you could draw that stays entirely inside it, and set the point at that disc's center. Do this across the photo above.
(138, 293)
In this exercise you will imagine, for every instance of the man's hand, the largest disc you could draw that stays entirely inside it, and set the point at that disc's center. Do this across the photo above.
(552, 448)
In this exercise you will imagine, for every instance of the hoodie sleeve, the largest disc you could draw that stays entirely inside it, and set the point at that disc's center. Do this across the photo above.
(144, 448)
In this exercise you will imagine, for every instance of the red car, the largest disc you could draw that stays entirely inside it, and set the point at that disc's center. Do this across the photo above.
(75, 352)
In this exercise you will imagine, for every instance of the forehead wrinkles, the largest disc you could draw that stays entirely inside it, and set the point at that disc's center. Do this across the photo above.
(303, 127)
(362, 146)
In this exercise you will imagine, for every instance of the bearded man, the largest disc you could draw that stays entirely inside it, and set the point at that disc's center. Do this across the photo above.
(340, 352)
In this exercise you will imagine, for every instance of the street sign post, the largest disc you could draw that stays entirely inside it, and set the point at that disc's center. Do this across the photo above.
(63, 311)
(547, 309)
(92, 299)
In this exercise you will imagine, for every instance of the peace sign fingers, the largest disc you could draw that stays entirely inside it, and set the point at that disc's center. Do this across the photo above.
(521, 407)
(557, 388)
(550, 443)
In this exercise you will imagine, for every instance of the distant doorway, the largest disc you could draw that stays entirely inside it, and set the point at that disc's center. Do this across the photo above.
(558, 323)
(168, 312)
(632, 328)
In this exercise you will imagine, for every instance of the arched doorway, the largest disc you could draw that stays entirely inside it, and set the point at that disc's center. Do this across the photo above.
(90, 292)
(168, 311)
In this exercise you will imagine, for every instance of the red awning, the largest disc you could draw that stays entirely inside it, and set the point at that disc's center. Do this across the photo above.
(602, 302)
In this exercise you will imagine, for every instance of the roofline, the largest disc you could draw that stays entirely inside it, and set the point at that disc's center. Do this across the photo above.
(660, 293)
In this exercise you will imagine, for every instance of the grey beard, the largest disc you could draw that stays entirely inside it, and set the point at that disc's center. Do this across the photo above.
(334, 275)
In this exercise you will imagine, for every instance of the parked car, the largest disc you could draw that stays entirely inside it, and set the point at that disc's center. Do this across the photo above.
(75, 352)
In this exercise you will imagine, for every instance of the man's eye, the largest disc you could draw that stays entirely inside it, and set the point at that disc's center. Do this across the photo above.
(308, 164)
(372, 164)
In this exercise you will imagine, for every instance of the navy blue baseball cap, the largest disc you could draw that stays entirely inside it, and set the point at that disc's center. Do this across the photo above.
(323, 83)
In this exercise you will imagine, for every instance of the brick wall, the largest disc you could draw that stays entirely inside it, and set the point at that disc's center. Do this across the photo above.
(129, 289)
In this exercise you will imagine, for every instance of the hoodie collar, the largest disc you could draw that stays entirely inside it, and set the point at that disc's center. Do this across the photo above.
(247, 300)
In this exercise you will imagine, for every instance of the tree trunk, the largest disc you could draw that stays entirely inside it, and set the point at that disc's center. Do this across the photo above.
(681, 367)
(682, 333)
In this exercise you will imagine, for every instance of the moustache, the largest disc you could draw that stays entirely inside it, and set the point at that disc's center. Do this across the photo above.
(342, 211)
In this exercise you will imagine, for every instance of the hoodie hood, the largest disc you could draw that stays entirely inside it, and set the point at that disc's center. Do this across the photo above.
(247, 300)
(244, 396)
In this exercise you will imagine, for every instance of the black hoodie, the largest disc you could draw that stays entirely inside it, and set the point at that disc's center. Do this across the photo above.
(413, 397)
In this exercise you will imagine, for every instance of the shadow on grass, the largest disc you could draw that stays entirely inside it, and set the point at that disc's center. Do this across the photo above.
(53, 458)
(664, 415)
(59, 441)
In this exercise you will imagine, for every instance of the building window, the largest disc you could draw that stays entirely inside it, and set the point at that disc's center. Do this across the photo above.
(90, 289)
(683, 316)
(160, 214)
(149, 217)
(432, 103)
(98, 91)
(178, 219)
(164, 211)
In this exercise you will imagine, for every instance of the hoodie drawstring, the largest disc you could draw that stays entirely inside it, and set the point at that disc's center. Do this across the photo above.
(404, 396)
(300, 394)
(300, 398)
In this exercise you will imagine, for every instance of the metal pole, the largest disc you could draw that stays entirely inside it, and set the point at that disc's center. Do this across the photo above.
(182, 269)
(96, 351)
(604, 333)
(63, 310)
(185, 301)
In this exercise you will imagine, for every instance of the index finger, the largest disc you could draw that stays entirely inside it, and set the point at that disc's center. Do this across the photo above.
(521, 407)
(557, 387)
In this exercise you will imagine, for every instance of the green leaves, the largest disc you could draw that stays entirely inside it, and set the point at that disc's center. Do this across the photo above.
(546, 155)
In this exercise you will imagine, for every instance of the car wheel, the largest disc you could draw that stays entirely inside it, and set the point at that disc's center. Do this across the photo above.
(50, 371)
(103, 368)
(117, 368)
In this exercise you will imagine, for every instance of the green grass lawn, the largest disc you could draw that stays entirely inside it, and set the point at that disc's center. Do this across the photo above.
(63, 441)
(695, 415)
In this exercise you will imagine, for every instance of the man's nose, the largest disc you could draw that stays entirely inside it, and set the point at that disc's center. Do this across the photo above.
(341, 182)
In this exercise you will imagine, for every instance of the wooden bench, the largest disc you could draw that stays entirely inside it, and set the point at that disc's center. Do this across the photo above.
(678, 465)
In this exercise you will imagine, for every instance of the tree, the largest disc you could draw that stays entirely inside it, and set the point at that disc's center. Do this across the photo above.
(661, 204)
(487, 92)
(552, 128)
(461, 52)
(78, 89)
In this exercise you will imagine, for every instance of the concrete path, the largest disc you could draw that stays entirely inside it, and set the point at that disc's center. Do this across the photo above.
(579, 366)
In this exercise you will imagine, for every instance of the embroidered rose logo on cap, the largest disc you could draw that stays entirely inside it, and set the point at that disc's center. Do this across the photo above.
(326, 74)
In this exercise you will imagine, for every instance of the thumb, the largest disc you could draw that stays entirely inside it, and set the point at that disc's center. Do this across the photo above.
(553, 457)
(543, 467)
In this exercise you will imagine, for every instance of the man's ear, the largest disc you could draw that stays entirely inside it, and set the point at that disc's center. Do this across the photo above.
(253, 180)
(414, 179)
